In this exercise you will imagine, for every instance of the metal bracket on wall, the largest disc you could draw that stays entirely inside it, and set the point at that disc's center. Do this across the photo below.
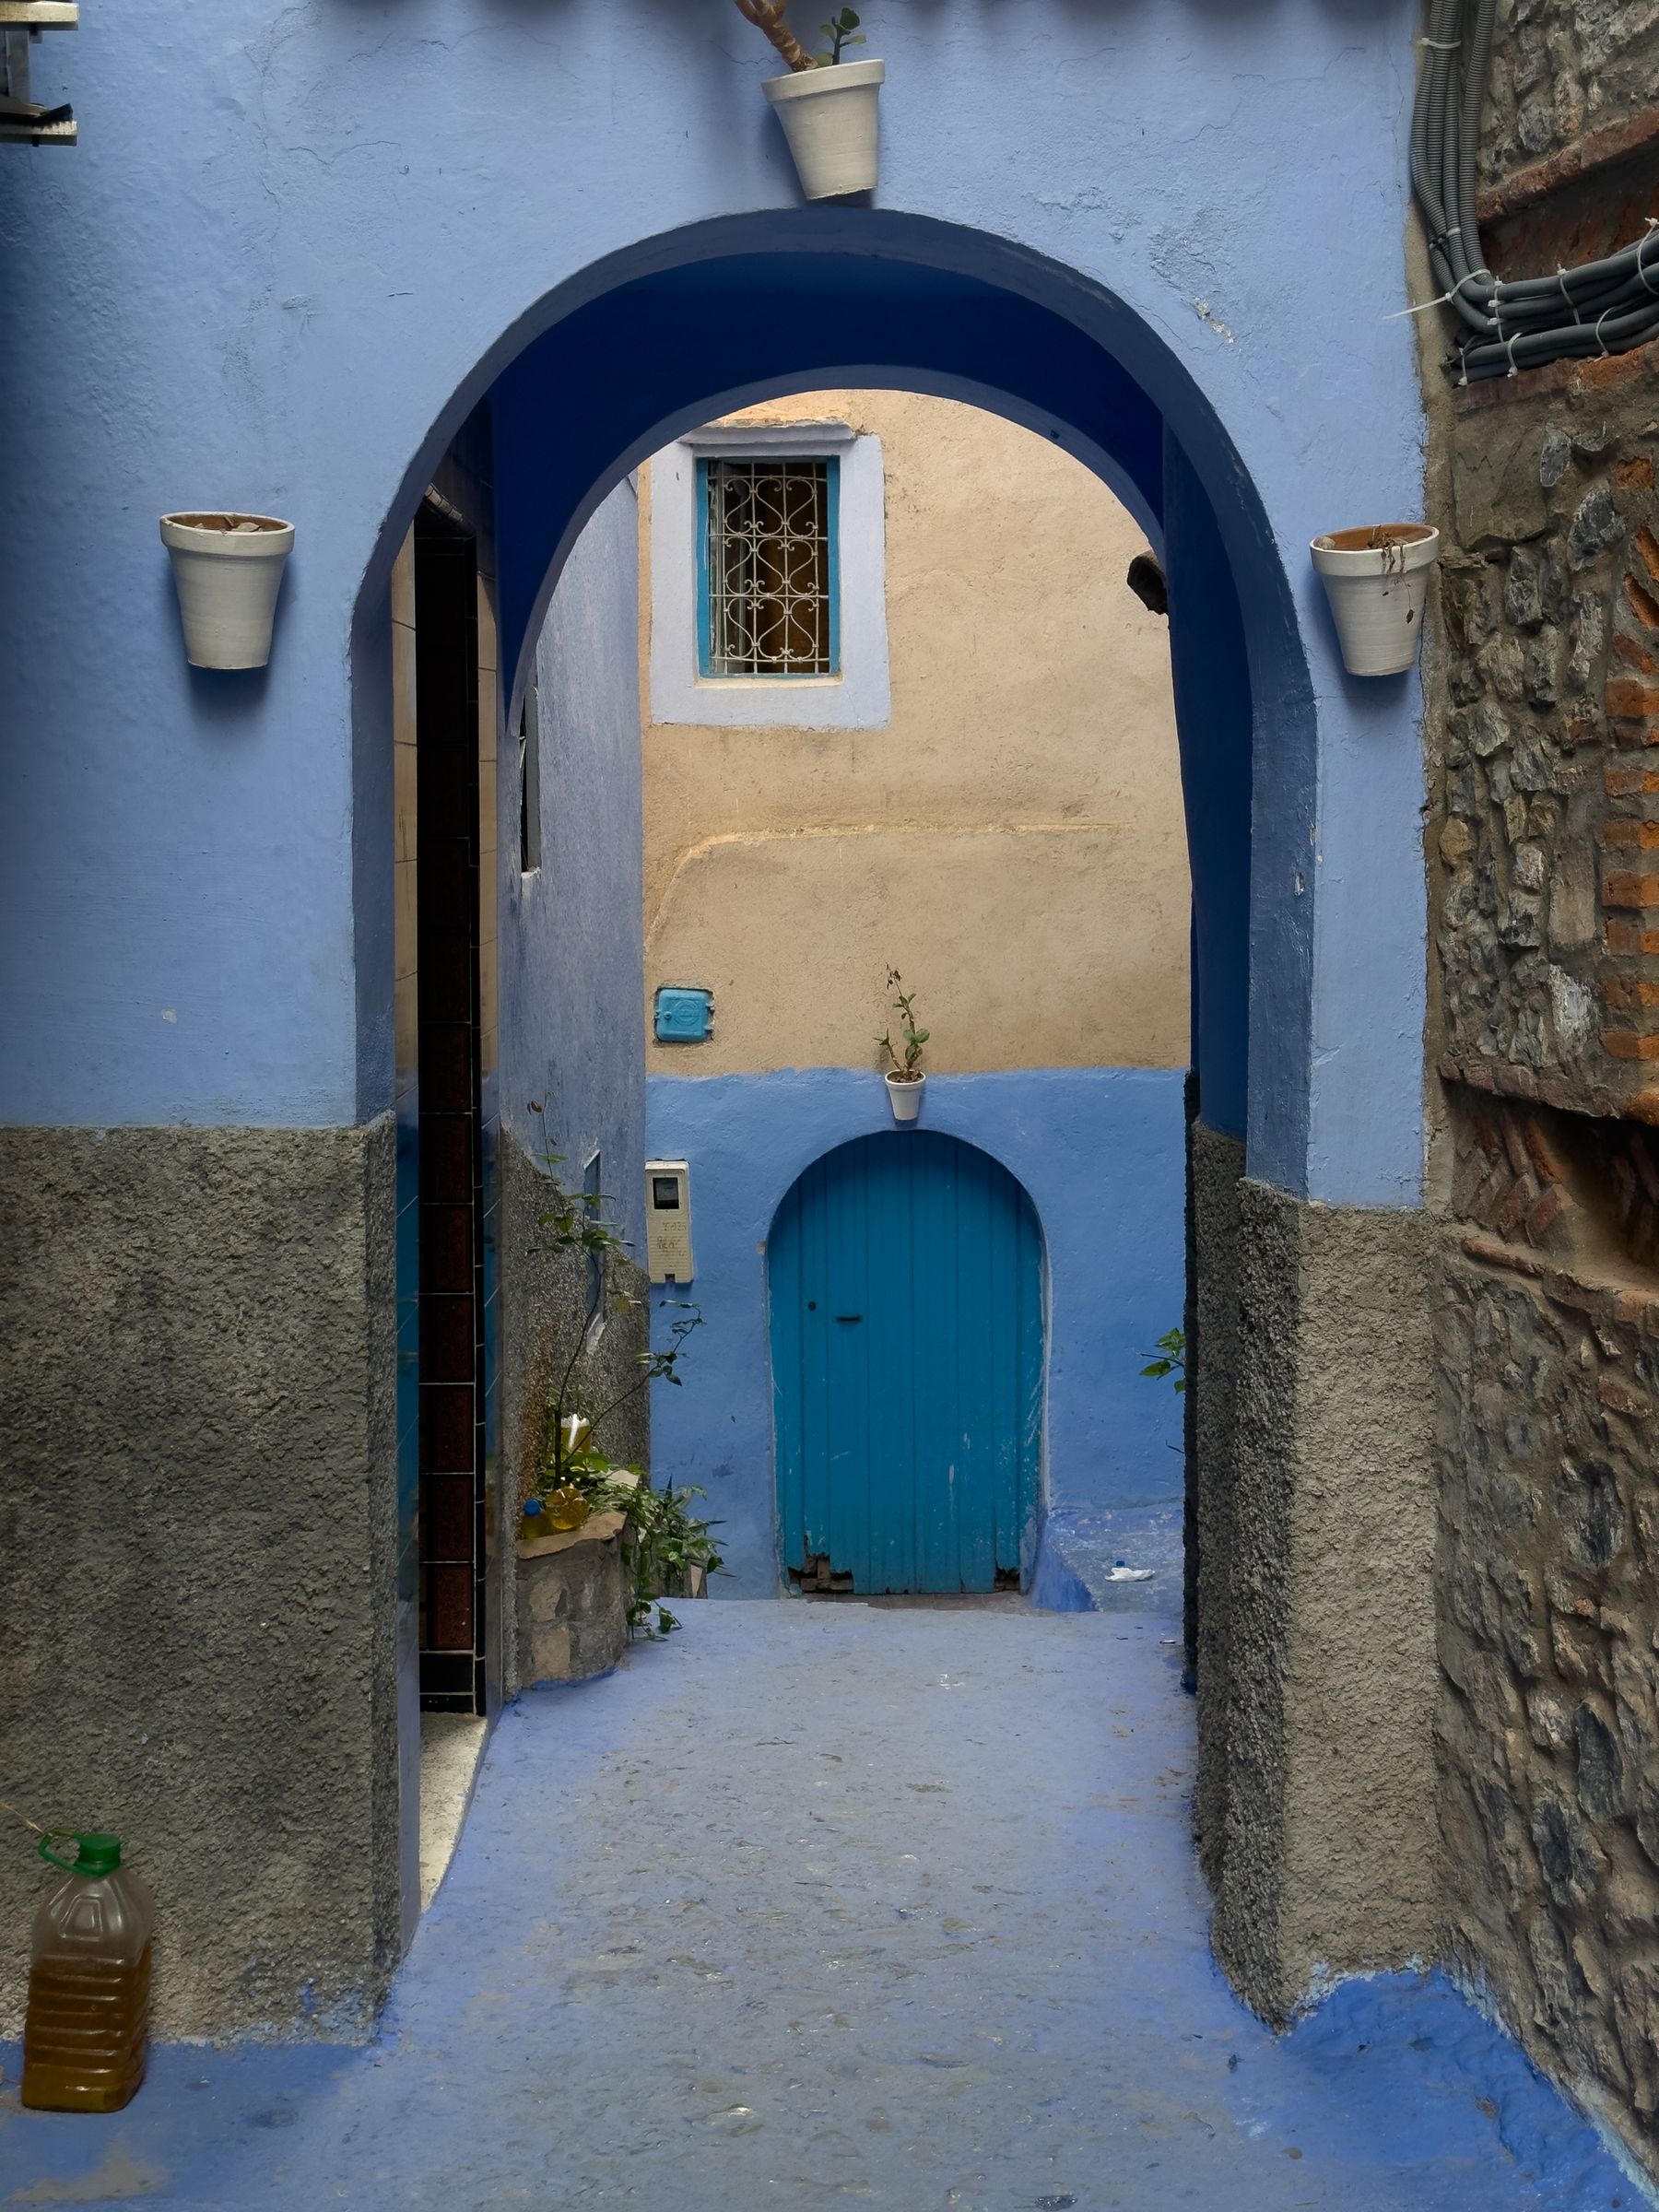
(23, 120)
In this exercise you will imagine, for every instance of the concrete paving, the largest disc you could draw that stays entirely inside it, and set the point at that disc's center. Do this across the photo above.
(834, 1904)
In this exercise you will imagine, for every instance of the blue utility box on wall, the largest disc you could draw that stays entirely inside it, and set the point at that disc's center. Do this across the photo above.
(683, 1016)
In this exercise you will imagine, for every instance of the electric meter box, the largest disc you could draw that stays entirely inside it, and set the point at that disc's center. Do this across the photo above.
(668, 1220)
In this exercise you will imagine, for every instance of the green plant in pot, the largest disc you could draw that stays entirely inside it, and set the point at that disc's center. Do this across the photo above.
(828, 105)
(906, 1078)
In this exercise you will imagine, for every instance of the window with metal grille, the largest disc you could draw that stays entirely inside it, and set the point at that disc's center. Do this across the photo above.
(768, 590)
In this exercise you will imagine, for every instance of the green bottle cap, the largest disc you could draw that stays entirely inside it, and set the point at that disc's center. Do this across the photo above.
(95, 1854)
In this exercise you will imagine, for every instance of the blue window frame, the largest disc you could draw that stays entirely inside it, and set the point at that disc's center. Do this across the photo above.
(768, 566)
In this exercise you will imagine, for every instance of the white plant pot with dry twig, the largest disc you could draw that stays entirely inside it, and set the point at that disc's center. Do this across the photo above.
(831, 118)
(1377, 581)
(227, 569)
(904, 1094)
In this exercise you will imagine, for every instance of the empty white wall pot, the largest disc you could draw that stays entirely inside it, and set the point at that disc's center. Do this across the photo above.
(1376, 579)
(831, 118)
(227, 567)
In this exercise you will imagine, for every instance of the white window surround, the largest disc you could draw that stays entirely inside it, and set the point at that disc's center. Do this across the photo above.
(860, 697)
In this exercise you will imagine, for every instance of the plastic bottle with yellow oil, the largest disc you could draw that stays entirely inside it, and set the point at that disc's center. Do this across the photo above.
(85, 2031)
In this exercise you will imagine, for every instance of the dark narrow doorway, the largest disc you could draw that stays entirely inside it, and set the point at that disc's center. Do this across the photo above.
(450, 1115)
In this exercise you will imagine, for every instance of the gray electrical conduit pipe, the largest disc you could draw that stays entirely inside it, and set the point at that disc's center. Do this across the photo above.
(1601, 306)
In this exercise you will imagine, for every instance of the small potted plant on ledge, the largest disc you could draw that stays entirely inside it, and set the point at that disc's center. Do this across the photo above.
(905, 1077)
(828, 106)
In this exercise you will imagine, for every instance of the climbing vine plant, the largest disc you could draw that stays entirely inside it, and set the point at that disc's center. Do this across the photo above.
(667, 1547)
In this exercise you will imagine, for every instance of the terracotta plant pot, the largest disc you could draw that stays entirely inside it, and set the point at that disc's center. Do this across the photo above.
(228, 570)
(1377, 581)
(906, 1095)
(831, 119)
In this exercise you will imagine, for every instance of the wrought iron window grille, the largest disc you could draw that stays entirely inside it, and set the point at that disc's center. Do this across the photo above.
(768, 589)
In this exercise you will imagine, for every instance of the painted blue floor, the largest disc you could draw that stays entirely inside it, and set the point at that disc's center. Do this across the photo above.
(829, 1903)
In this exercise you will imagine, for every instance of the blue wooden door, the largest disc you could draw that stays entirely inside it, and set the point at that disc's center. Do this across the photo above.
(906, 1284)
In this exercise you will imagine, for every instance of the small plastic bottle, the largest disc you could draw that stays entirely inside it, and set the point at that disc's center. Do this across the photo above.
(86, 2030)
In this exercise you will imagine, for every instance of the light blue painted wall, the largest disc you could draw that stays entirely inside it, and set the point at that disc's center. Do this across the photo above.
(1100, 1150)
(572, 951)
(288, 297)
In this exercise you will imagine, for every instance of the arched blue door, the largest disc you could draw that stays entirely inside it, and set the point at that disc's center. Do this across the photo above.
(906, 1284)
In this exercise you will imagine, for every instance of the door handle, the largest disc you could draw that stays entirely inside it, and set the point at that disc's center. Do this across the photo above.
(848, 1317)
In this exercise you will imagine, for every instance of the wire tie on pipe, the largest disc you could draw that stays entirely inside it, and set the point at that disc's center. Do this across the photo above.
(1445, 299)
(1566, 296)
(1440, 45)
(1600, 339)
(1642, 246)
(1509, 347)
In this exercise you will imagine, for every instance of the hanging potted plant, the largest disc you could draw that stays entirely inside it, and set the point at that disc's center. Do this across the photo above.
(1377, 581)
(905, 1077)
(228, 570)
(828, 107)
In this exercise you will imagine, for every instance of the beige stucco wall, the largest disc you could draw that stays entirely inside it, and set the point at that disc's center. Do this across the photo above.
(1013, 843)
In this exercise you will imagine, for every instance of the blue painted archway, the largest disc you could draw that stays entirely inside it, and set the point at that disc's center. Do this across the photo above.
(682, 328)
(905, 1286)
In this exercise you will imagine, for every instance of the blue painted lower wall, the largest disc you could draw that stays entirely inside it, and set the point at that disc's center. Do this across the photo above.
(1100, 1151)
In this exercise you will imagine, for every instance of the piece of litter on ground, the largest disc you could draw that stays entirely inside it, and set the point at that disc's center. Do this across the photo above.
(1121, 1573)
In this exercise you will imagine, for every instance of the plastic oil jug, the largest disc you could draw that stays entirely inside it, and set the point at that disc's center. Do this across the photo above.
(85, 2033)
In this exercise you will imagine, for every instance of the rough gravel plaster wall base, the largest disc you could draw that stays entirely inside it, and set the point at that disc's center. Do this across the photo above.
(1329, 1853)
(197, 1552)
(544, 1308)
(1217, 1169)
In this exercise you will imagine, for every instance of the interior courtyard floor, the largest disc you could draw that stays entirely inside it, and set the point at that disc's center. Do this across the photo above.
(825, 1904)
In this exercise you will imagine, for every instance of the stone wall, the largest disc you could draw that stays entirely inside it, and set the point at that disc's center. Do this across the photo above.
(197, 1548)
(1561, 69)
(1549, 1737)
(1543, 728)
(1549, 918)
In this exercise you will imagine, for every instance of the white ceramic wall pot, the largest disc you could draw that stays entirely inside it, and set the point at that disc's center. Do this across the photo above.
(1377, 581)
(906, 1096)
(831, 119)
(228, 570)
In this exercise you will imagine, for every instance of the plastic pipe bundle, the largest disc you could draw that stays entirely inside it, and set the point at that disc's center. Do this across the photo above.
(1599, 308)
